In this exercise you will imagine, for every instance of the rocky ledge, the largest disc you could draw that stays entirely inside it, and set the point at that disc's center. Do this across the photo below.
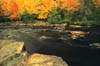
(43, 60)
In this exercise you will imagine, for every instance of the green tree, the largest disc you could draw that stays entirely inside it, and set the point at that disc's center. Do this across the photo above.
(88, 13)
(60, 16)
(86, 10)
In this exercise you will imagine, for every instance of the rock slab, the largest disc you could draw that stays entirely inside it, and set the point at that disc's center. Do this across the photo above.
(9, 48)
(37, 59)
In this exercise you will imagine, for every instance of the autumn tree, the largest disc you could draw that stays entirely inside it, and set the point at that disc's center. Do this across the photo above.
(14, 10)
(18, 7)
(72, 5)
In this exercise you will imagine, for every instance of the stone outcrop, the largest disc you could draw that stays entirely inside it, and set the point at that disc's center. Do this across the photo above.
(43, 60)
(9, 49)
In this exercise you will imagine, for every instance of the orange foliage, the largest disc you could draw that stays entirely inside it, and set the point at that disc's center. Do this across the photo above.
(14, 9)
(5, 7)
(9, 8)
(70, 5)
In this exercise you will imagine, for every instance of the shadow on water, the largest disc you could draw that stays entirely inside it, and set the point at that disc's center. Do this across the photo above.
(74, 54)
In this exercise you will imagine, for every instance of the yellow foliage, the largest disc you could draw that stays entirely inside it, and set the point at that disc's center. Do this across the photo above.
(39, 7)
(5, 6)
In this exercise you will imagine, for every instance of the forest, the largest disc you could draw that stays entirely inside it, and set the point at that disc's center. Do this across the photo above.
(51, 11)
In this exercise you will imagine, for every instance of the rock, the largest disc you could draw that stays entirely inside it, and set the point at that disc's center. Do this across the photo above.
(43, 60)
(95, 45)
(9, 48)
(12, 61)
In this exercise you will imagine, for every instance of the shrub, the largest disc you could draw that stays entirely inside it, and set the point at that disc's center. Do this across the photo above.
(27, 18)
(60, 16)
(55, 17)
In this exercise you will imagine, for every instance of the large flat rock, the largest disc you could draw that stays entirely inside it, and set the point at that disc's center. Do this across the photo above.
(9, 48)
(37, 59)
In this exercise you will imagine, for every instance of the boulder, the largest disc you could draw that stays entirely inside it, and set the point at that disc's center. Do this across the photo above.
(37, 59)
(9, 48)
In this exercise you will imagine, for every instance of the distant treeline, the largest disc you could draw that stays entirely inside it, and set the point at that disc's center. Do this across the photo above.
(52, 11)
